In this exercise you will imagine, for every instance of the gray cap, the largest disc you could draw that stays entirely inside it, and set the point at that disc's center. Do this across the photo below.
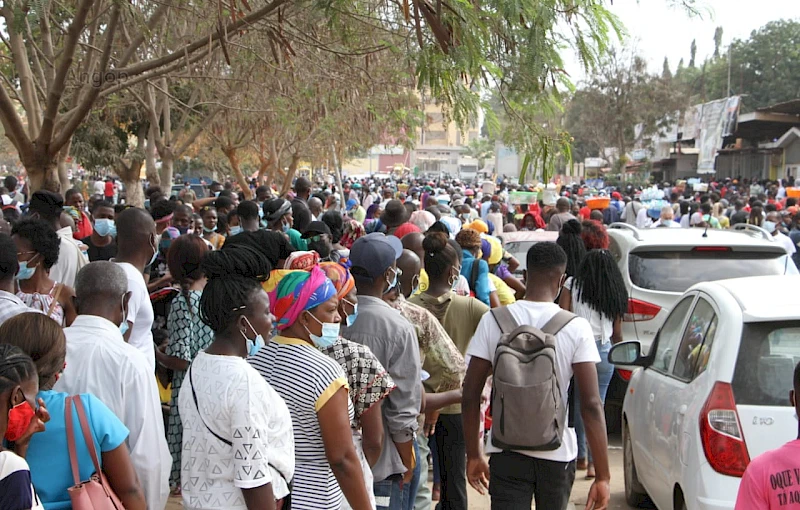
(373, 254)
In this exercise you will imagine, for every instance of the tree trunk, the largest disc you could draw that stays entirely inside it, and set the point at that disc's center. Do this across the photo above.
(130, 177)
(150, 160)
(287, 181)
(42, 170)
(167, 161)
(233, 158)
(61, 166)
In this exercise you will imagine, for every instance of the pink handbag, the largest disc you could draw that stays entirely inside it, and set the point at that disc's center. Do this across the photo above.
(94, 493)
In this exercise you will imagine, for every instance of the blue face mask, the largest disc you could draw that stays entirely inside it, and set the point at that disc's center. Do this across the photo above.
(236, 230)
(393, 283)
(123, 327)
(285, 227)
(104, 227)
(253, 346)
(769, 226)
(25, 272)
(351, 319)
(330, 333)
(666, 223)
(183, 230)
(209, 230)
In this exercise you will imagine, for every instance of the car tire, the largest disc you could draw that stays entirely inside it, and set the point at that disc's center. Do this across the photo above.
(635, 493)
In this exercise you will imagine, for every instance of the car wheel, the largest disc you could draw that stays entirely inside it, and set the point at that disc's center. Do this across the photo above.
(635, 493)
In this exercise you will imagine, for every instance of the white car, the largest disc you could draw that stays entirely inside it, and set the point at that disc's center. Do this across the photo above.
(659, 264)
(712, 393)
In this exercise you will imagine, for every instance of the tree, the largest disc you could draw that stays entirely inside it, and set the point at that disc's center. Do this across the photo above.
(68, 55)
(666, 73)
(717, 41)
(693, 53)
(605, 111)
(481, 149)
(679, 70)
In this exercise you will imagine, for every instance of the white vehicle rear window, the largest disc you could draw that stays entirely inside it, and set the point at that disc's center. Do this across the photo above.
(676, 271)
(768, 354)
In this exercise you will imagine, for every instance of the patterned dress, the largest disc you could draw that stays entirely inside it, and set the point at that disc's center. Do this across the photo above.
(187, 336)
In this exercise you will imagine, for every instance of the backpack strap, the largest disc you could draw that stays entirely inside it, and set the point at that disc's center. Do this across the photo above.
(473, 278)
(557, 323)
(504, 319)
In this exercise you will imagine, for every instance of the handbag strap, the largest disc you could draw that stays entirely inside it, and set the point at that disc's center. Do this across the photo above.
(73, 454)
(54, 302)
(87, 435)
(197, 406)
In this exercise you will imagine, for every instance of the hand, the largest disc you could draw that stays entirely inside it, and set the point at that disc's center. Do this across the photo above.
(41, 417)
(478, 474)
(409, 474)
(599, 494)
(431, 417)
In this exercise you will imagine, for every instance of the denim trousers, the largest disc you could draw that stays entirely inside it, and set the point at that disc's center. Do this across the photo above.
(393, 494)
(605, 371)
(516, 480)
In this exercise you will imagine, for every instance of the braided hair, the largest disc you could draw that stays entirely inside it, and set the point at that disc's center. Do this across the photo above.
(599, 284)
(570, 240)
(234, 275)
(16, 367)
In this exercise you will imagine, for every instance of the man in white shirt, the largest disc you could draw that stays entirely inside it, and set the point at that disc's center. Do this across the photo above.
(48, 206)
(519, 476)
(137, 248)
(101, 363)
(770, 224)
(667, 218)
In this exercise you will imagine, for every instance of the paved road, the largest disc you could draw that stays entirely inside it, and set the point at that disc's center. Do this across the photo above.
(579, 491)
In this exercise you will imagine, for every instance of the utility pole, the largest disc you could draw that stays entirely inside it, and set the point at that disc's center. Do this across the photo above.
(729, 71)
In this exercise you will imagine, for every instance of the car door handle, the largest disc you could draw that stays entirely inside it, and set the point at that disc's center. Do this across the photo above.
(682, 410)
(652, 398)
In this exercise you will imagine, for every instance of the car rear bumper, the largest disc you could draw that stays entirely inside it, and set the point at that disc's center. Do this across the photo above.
(714, 491)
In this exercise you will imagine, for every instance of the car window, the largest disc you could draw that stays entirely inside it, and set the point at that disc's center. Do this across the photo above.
(768, 353)
(676, 271)
(698, 336)
(614, 249)
(670, 335)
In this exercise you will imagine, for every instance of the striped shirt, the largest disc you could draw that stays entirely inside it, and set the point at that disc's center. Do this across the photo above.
(16, 490)
(306, 379)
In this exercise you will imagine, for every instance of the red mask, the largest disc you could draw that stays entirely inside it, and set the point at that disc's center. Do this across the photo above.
(19, 418)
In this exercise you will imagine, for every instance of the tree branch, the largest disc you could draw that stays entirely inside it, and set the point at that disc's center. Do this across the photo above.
(152, 23)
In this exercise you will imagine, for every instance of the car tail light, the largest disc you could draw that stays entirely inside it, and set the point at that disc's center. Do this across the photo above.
(721, 433)
(640, 311)
(712, 248)
(625, 375)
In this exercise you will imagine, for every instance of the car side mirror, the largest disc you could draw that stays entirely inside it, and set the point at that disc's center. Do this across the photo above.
(628, 354)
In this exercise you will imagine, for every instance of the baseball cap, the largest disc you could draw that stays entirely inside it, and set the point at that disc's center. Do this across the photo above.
(373, 254)
(316, 228)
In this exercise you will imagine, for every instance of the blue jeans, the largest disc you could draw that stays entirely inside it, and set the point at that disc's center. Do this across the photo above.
(393, 494)
(605, 371)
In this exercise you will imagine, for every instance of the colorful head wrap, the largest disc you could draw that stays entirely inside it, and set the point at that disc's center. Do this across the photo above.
(340, 277)
(303, 260)
(297, 292)
(352, 230)
(406, 228)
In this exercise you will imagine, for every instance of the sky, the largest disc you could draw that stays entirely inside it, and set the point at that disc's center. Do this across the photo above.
(658, 30)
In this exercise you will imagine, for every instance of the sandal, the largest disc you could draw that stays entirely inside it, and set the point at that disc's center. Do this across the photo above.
(590, 474)
(581, 464)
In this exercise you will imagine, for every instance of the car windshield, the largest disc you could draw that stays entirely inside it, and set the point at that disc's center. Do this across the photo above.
(768, 354)
(676, 271)
(519, 250)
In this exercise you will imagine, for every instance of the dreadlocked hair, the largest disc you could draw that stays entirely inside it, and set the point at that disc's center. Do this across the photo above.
(599, 285)
(234, 275)
(16, 367)
(570, 240)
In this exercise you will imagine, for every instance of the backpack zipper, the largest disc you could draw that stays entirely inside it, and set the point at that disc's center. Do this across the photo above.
(502, 414)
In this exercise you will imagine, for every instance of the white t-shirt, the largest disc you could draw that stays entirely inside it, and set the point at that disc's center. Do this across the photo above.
(99, 187)
(786, 242)
(575, 345)
(602, 326)
(237, 404)
(140, 314)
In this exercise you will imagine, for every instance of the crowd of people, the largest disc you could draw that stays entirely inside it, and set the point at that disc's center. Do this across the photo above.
(317, 350)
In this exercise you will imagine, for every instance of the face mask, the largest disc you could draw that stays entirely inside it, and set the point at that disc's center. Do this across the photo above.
(351, 319)
(285, 227)
(103, 227)
(123, 327)
(209, 230)
(455, 279)
(769, 226)
(19, 418)
(236, 230)
(330, 333)
(253, 346)
(216, 193)
(25, 272)
(183, 230)
(666, 223)
(393, 283)
(155, 254)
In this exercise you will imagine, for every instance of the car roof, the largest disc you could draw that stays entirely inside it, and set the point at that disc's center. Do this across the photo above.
(537, 236)
(690, 236)
(761, 298)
